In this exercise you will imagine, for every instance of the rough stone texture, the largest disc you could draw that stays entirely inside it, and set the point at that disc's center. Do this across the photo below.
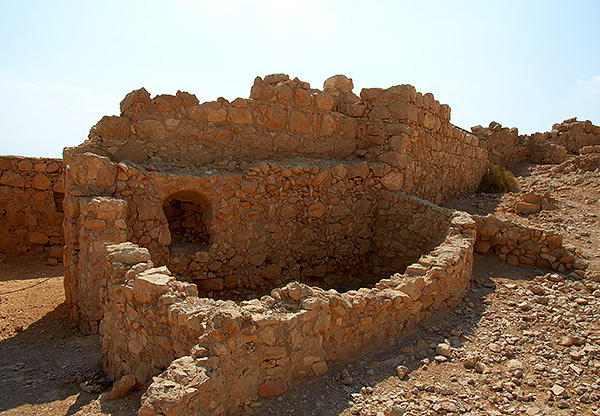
(283, 118)
(296, 194)
(31, 211)
(237, 352)
(518, 245)
(506, 147)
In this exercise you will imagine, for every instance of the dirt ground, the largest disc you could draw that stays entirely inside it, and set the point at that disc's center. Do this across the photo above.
(523, 341)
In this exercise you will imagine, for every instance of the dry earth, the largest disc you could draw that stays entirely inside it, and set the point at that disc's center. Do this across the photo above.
(523, 342)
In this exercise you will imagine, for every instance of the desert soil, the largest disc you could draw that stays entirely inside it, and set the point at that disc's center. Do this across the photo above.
(523, 341)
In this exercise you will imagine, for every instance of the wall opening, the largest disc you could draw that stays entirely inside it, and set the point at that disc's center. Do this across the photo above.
(58, 201)
(188, 214)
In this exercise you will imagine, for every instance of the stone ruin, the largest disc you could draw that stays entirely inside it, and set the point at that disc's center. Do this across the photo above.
(225, 250)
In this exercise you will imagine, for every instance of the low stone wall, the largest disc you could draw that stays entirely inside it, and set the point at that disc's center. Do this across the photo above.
(574, 134)
(504, 145)
(231, 354)
(507, 148)
(519, 245)
(31, 211)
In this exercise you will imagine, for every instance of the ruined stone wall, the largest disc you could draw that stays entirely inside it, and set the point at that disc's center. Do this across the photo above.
(404, 229)
(284, 118)
(31, 211)
(258, 348)
(520, 245)
(504, 145)
(318, 224)
(281, 118)
(507, 148)
(412, 133)
(574, 135)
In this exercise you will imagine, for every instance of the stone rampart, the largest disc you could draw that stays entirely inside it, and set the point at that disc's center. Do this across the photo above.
(31, 211)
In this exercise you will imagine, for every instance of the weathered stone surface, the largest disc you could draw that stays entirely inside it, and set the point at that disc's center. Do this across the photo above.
(148, 288)
(259, 195)
(122, 387)
(31, 217)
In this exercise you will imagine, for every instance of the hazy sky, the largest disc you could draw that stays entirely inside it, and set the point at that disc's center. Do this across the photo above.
(65, 64)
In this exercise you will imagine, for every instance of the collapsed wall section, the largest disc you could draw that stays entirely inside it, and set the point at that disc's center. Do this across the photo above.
(31, 207)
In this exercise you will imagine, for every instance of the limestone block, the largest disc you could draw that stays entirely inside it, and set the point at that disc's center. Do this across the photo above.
(127, 253)
(37, 237)
(12, 179)
(148, 288)
(393, 181)
(92, 172)
(41, 182)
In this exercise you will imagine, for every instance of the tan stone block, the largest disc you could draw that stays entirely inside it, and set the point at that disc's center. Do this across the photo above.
(358, 170)
(152, 129)
(122, 387)
(527, 208)
(319, 368)
(41, 182)
(393, 181)
(554, 241)
(37, 237)
(283, 93)
(240, 115)
(12, 179)
(272, 271)
(210, 111)
(273, 387)
(113, 127)
(302, 97)
(257, 259)
(330, 126)
(482, 247)
(299, 122)
(25, 165)
(273, 117)
(324, 101)
(39, 167)
(317, 210)
(148, 288)
(261, 90)
(93, 172)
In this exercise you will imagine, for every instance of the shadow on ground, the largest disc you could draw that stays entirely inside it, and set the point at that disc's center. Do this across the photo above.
(45, 362)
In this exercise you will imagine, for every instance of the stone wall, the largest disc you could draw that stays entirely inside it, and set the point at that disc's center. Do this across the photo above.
(412, 133)
(519, 245)
(284, 118)
(31, 211)
(258, 348)
(507, 148)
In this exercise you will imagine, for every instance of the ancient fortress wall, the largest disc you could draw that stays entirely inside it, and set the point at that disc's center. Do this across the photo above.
(408, 131)
(507, 148)
(244, 245)
(31, 212)
(258, 348)
(283, 185)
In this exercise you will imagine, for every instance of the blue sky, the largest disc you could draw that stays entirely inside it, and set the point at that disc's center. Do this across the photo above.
(65, 64)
